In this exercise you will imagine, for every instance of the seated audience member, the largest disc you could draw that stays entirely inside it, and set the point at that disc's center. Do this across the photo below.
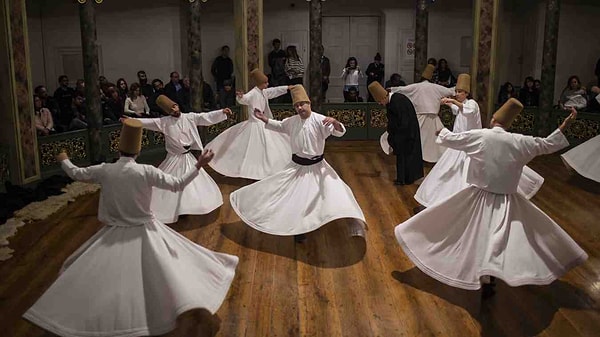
(208, 96)
(158, 89)
(353, 96)
(507, 91)
(186, 95)
(80, 87)
(594, 99)
(43, 118)
(227, 95)
(122, 88)
(573, 95)
(135, 104)
(113, 107)
(64, 98)
(79, 118)
(145, 87)
(528, 95)
(395, 81)
(444, 75)
(48, 102)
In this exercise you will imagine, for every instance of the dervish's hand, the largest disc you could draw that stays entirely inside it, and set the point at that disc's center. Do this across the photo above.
(260, 115)
(437, 133)
(62, 156)
(123, 118)
(330, 121)
(228, 112)
(239, 93)
(206, 156)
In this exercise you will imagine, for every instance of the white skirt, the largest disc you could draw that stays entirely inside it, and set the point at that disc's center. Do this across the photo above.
(429, 124)
(133, 281)
(449, 175)
(385, 146)
(296, 200)
(201, 196)
(585, 159)
(476, 233)
(248, 150)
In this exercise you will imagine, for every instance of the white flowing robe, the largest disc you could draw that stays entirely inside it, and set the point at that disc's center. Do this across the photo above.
(449, 175)
(489, 228)
(247, 149)
(299, 198)
(426, 98)
(135, 275)
(202, 196)
(585, 158)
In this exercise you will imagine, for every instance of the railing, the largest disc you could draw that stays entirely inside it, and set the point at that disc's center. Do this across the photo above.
(363, 121)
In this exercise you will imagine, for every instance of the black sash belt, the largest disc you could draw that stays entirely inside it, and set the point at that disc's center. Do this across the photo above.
(305, 161)
(188, 149)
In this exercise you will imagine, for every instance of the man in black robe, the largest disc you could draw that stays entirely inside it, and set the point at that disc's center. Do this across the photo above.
(404, 135)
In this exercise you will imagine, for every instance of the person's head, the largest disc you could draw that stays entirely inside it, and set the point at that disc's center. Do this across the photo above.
(537, 84)
(168, 106)
(112, 93)
(301, 101)
(528, 82)
(291, 52)
(102, 80)
(351, 63)
(78, 100)
(377, 58)
(506, 114)
(80, 85)
(260, 80)
(380, 95)
(122, 85)
(186, 82)
(141, 75)
(130, 140)
(225, 51)
(41, 92)
(134, 90)
(227, 85)
(157, 84)
(276, 44)
(574, 83)
(174, 76)
(352, 94)
(432, 61)
(442, 64)
(37, 102)
(63, 80)
(395, 79)
(508, 87)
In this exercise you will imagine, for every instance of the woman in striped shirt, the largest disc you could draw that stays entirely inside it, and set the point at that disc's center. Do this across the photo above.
(294, 67)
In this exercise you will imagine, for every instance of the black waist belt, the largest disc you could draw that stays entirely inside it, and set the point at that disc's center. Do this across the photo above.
(188, 149)
(305, 161)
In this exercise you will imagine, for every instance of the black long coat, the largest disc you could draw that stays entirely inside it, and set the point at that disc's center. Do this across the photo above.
(405, 139)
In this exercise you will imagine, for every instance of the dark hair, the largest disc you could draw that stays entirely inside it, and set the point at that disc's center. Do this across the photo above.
(157, 80)
(432, 60)
(377, 57)
(352, 89)
(276, 41)
(352, 58)
(225, 46)
(38, 89)
(141, 72)
(173, 72)
(291, 52)
(228, 83)
(571, 78)
(134, 86)
(440, 63)
(61, 77)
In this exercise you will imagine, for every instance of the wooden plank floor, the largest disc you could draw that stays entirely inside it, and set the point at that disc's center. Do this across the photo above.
(334, 285)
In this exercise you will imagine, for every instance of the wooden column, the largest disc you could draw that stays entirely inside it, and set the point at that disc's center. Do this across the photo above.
(485, 31)
(248, 22)
(548, 65)
(93, 107)
(195, 56)
(17, 130)
(421, 32)
(316, 40)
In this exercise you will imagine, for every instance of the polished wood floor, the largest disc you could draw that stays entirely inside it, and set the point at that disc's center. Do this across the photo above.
(334, 285)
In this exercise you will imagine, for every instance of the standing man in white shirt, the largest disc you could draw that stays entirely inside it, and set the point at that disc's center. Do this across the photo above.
(307, 193)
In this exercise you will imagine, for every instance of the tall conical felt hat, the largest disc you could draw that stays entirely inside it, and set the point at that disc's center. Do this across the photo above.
(463, 82)
(508, 112)
(299, 94)
(131, 136)
(258, 77)
(428, 72)
(377, 91)
(165, 103)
